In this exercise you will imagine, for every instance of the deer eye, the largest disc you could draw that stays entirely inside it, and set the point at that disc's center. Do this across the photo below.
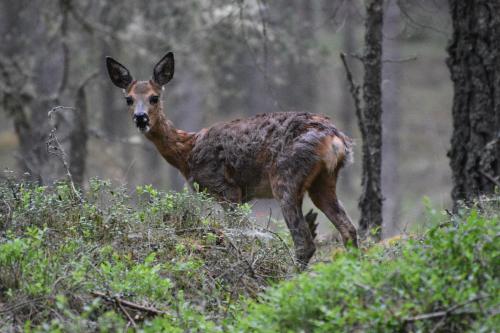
(129, 100)
(153, 99)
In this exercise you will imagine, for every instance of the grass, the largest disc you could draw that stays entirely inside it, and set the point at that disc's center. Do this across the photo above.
(174, 262)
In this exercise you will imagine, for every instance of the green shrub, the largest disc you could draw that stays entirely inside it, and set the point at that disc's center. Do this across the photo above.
(178, 253)
(446, 280)
(69, 263)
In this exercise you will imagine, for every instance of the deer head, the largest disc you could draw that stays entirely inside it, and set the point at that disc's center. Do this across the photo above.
(143, 97)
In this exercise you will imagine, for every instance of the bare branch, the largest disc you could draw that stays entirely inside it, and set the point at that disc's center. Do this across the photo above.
(132, 305)
(54, 147)
(414, 22)
(130, 319)
(447, 312)
(400, 60)
(490, 177)
(354, 89)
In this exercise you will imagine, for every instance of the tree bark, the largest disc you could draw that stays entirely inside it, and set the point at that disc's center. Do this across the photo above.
(370, 202)
(11, 103)
(78, 138)
(474, 64)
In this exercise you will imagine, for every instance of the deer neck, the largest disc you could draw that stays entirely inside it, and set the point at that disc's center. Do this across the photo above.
(173, 144)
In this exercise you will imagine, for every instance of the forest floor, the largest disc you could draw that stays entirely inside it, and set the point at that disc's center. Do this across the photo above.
(114, 260)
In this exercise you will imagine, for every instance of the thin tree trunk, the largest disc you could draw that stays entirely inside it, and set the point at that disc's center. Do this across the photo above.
(370, 202)
(78, 138)
(17, 108)
(474, 54)
(391, 77)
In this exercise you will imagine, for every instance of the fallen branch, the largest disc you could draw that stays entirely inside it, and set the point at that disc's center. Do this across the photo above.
(447, 312)
(20, 305)
(241, 256)
(130, 319)
(122, 302)
(277, 236)
(438, 314)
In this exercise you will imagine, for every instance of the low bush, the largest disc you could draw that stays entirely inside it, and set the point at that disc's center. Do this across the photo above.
(446, 280)
(109, 258)
(113, 261)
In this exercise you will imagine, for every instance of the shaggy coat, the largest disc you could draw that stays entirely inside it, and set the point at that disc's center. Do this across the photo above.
(247, 158)
(281, 155)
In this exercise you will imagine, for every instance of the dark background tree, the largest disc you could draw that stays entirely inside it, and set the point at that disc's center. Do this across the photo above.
(370, 202)
(474, 63)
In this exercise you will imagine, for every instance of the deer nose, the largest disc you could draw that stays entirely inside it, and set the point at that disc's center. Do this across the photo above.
(141, 119)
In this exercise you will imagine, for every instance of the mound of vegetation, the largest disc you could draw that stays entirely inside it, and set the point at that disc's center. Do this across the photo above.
(446, 280)
(111, 261)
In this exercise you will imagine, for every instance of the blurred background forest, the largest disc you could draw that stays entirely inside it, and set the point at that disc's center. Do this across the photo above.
(234, 58)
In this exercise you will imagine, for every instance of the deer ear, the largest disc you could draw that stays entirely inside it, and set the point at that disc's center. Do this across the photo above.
(164, 70)
(118, 73)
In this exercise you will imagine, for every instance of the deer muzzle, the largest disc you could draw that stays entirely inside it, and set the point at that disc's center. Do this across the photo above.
(141, 120)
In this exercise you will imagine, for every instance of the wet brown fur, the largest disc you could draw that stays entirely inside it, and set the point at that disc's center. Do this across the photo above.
(281, 155)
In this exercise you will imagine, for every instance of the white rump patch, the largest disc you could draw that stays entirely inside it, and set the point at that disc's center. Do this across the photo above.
(337, 152)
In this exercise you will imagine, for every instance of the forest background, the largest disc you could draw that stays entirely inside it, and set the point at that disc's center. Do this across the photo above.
(233, 59)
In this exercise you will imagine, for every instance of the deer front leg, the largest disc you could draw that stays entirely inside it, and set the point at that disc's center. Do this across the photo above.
(230, 198)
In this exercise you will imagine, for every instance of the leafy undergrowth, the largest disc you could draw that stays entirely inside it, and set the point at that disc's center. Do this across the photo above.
(173, 262)
(446, 280)
(110, 259)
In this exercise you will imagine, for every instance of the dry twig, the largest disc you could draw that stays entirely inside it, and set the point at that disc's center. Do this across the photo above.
(132, 305)
(447, 312)
(130, 319)
(490, 177)
(354, 89)
(240, 255)
(54, 147)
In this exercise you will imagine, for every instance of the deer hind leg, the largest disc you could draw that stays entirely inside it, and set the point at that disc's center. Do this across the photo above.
(323, 194)
(311, 223)
(290, 199)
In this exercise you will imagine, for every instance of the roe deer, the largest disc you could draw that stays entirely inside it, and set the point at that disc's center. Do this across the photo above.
(281, 155)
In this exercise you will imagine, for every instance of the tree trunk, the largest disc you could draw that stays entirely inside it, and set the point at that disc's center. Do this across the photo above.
(474, 64)
(15, 107)
(370, 202)
(391, 77)
(78, 138)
